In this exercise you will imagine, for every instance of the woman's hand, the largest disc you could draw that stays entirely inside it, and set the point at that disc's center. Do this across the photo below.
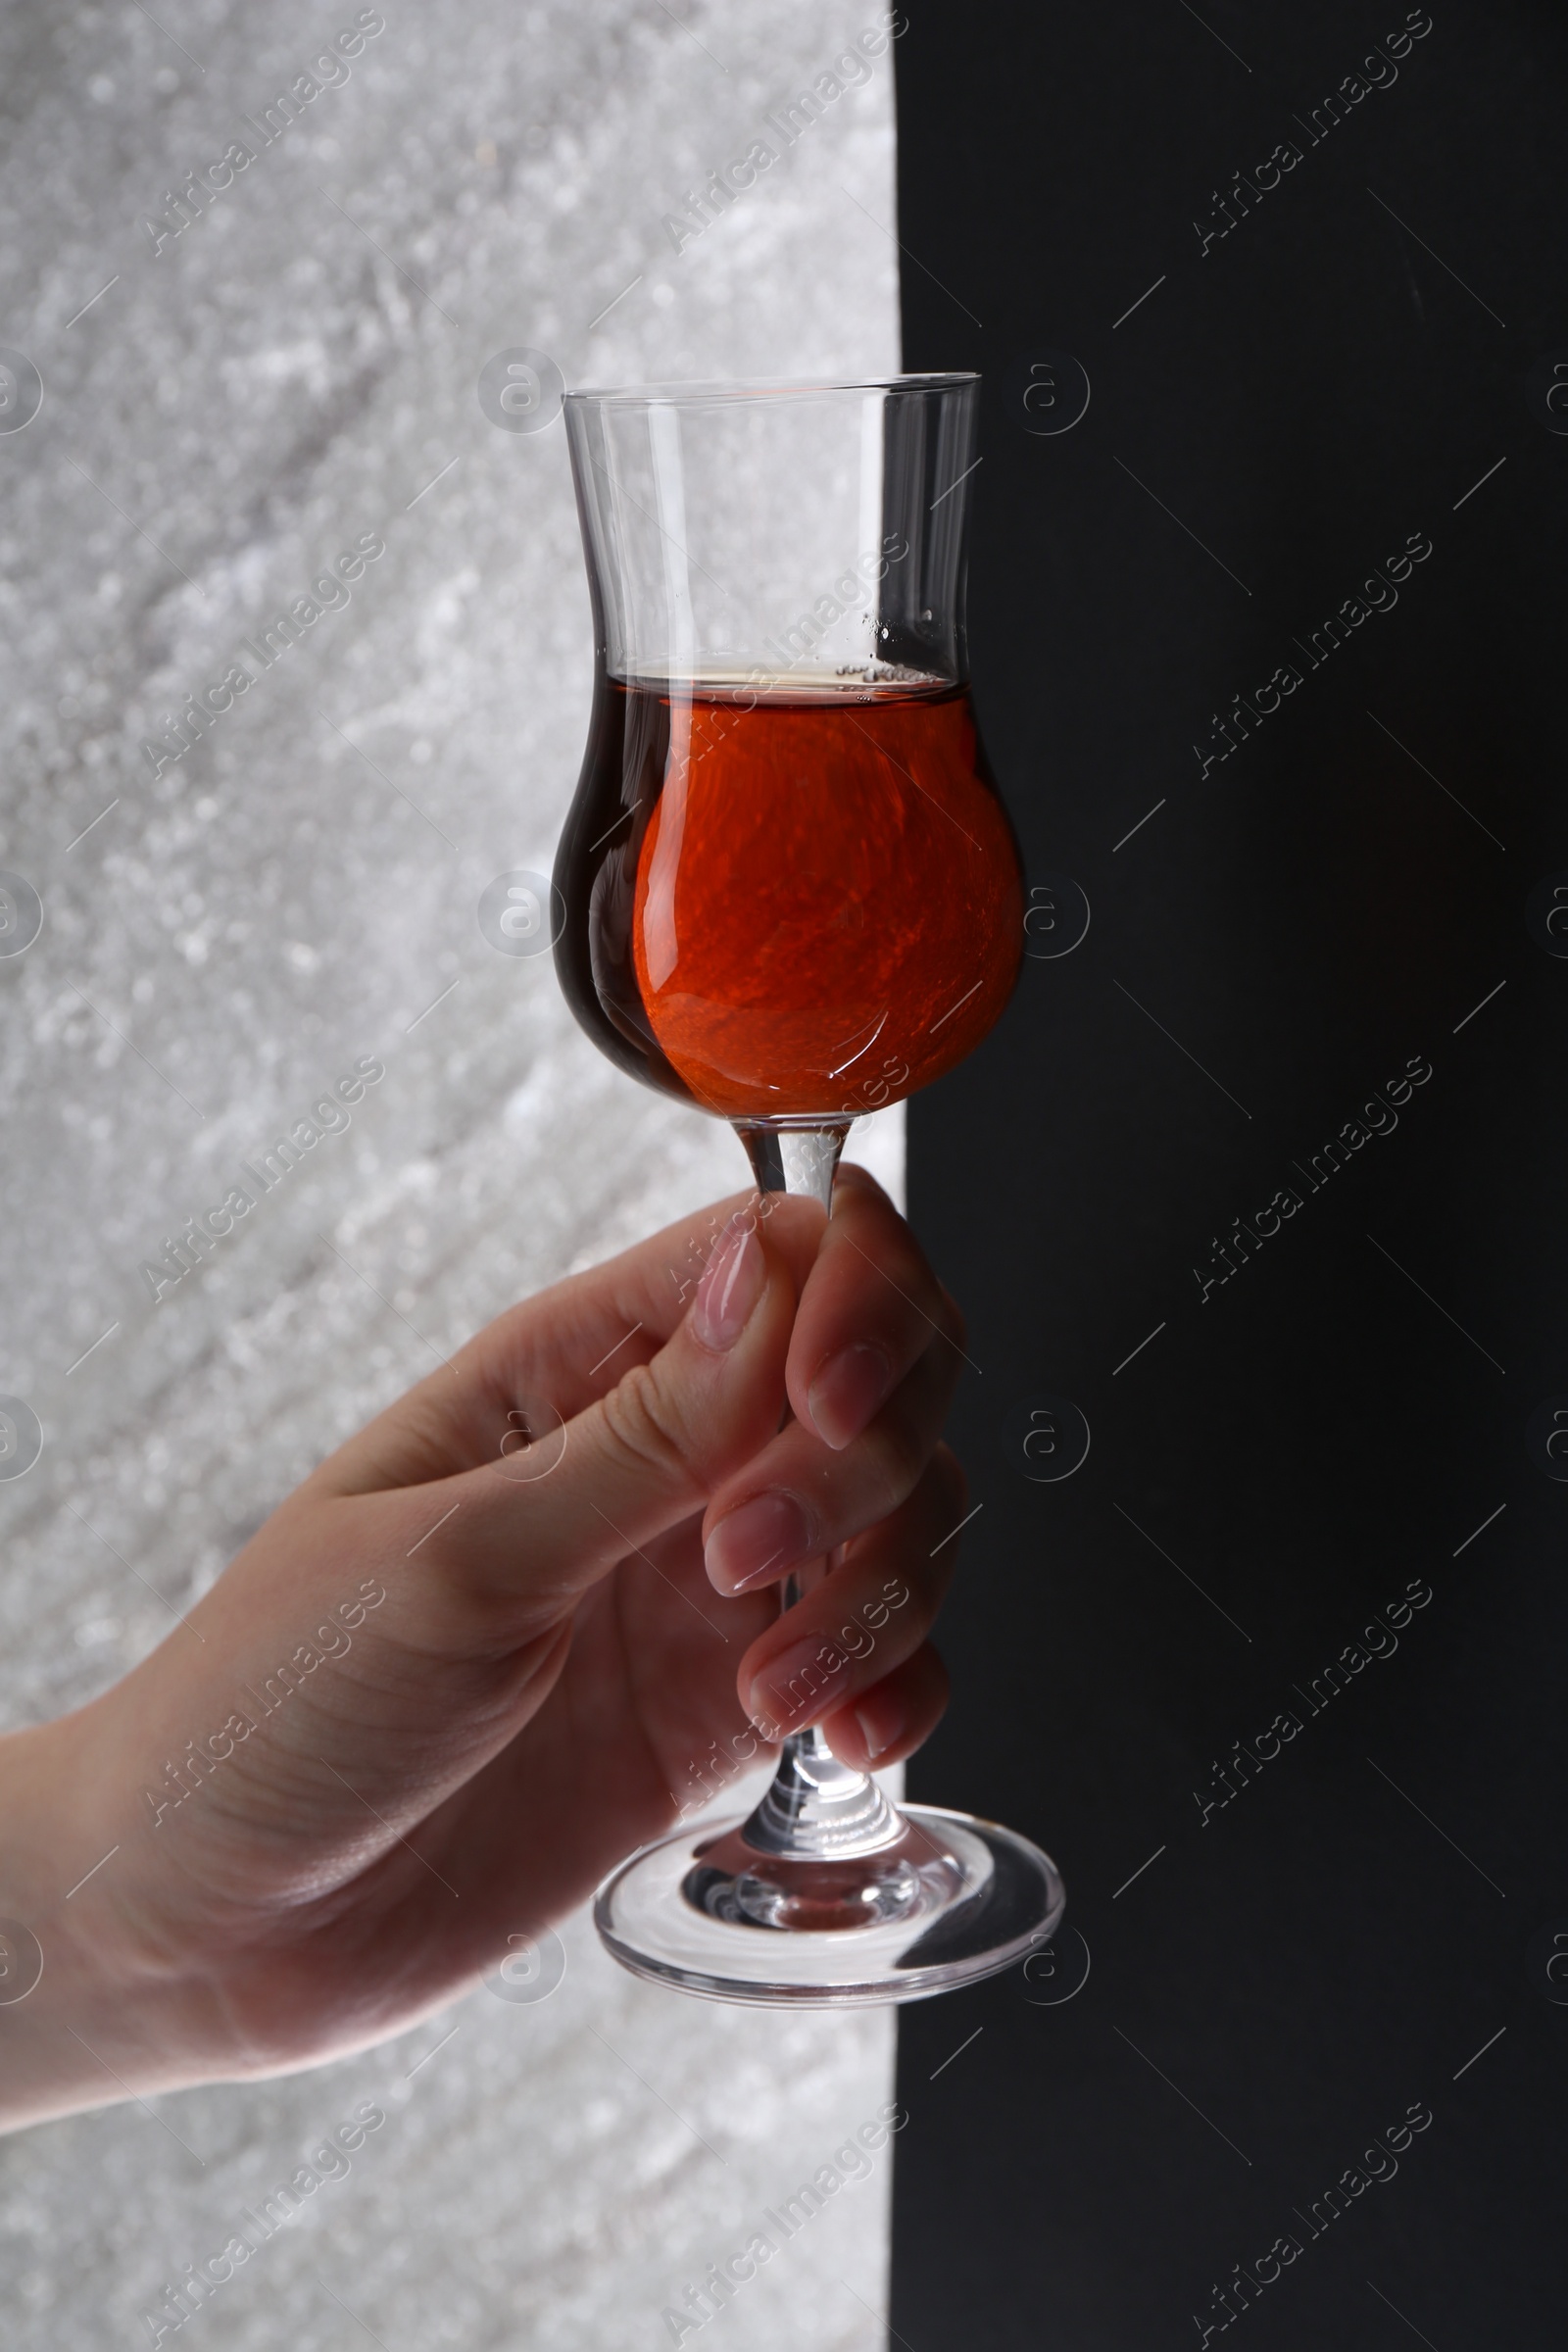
(477, 1657)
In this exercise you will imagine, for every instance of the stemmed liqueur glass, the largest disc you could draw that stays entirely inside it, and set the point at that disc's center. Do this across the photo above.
(792, 894)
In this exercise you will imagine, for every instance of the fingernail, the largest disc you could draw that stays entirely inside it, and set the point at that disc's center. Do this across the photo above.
(847, 1392)
(763, 1538)
(796, 1683)
(882, 1721)
(732, 1283)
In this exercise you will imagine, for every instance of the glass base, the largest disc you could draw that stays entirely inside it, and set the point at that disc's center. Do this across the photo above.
(946, 1901)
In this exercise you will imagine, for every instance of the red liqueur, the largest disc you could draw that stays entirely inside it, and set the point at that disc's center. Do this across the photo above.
(800, 903)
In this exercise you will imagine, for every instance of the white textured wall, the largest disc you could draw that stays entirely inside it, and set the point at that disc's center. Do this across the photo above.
(288, 376)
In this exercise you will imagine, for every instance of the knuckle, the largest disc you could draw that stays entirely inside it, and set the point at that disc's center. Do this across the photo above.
(946, 1504)
(951, 1318)
(896, 1457)
(949, 1478)
(862, 1191)
(642, 1427)
(938, 1682)
(922, 1305)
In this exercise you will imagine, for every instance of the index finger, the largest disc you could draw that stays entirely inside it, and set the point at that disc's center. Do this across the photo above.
(870, 1309)
(548, 1358)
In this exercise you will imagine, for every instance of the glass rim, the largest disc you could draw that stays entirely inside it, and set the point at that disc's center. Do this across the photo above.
(702, 393)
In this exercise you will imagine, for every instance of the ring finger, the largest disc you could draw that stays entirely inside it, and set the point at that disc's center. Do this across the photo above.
(798, 1499)
(859, 1626)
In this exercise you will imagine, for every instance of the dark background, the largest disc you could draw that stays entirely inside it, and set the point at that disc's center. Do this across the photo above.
(1293, 1974)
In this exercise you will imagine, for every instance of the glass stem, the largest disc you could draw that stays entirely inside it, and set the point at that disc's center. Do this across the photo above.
(815, 1808)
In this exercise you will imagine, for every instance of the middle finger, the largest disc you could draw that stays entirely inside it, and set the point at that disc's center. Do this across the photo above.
(799, 1499)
